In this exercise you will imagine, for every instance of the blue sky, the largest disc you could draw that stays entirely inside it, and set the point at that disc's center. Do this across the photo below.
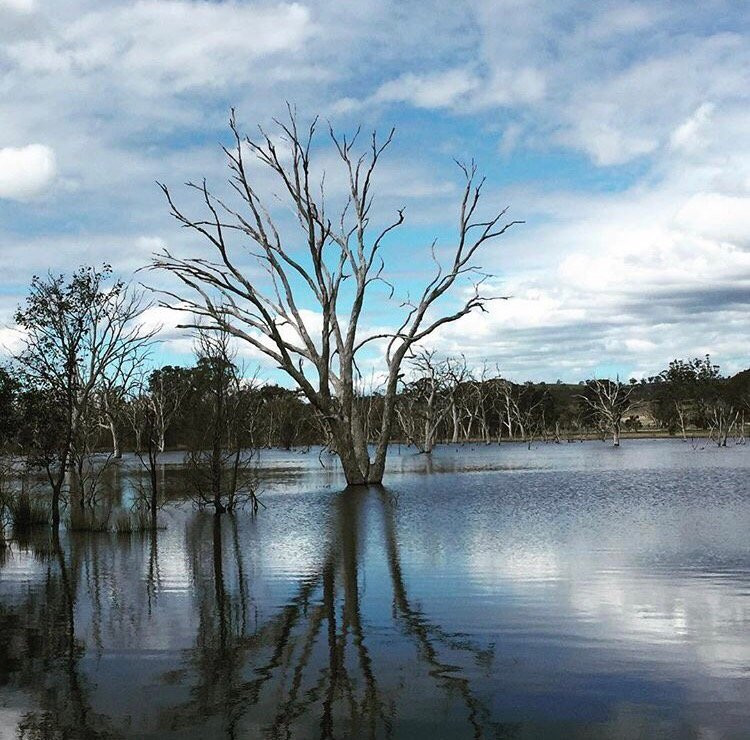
(617, 130)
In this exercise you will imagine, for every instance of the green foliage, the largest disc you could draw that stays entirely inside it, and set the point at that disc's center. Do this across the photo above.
(686, 392)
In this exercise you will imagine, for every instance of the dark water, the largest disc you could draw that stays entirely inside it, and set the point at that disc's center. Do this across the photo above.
(565, 591)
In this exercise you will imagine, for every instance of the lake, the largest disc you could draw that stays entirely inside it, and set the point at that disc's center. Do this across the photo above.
(571, 590)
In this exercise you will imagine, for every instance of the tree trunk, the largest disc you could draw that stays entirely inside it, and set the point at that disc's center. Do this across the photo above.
(116, 451)
(55, 508)
(154, 484)
(616, 436)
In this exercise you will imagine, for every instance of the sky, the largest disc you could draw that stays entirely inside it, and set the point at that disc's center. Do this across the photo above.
(618, 131)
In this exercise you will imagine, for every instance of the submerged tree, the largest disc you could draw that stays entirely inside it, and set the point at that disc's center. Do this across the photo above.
(425, 400)
(223, 406)
(608, 400)
(335, 272)
(78, 335)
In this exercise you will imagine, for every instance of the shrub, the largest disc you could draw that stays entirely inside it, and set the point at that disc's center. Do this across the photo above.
(27, 512)
(88, 519)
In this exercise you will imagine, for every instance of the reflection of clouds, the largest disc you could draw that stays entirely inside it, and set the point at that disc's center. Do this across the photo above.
(609, 598)
(515, 565)
(173, 562)
(700, 615)
(21, 567)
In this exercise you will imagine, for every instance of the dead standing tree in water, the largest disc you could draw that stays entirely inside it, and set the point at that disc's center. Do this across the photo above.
(423, 405)
(341, 261)
(608, 400)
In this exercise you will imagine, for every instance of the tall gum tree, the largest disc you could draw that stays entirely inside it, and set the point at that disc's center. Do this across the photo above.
(340, 262)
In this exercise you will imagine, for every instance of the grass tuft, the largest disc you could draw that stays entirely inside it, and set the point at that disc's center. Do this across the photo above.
(88, 520)
(27, 512)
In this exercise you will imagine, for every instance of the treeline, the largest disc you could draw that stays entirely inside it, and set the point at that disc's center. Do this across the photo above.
(81, 389)
(446, 401)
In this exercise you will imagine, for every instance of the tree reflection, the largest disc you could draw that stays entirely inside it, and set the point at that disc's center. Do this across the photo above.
(313, 667)
(41, 653)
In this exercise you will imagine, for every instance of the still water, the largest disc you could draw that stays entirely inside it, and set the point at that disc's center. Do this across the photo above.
(565, 591)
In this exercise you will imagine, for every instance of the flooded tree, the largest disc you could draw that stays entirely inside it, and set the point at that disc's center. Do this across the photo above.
(336, 271)
(608, 400)
(77, 335)
(425, 400)
(222, 402)
(167, 389)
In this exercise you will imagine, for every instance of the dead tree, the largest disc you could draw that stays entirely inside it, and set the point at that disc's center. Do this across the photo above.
(339, 264)
(144, 420)
(721, 418)
(457, 377)
(424, 403)
(167, 389)
(608, 400)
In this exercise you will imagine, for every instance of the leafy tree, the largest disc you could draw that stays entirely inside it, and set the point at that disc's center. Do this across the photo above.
(78, 335)
(223, 408)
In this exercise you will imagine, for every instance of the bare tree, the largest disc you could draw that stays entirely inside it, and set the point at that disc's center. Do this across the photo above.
(721, 417)
(458, 374)
(122, 374)
(144, 420)
(342, 261)
(424, 403)
(608, 400)
(167, 389)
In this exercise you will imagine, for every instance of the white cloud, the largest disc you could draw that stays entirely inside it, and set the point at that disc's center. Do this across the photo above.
(435, 90)
(689, 134)
(11, 340)
(19, 6)
(26, 172)
(717, 216)
(177, 44)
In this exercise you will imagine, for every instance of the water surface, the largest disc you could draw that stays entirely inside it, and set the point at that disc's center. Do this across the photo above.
(569, 590)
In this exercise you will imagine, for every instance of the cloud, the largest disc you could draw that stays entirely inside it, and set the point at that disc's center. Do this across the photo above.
(26, 172)
(460, 89)
(19, 6)
(177, 43)
(435, 90)
(616, 130)
(689, 134)
(718, 216)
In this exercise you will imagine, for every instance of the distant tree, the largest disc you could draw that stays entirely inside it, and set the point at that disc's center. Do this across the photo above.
(9, 388)
(608, 400)
(223, 406)
(687, 390)
(284, 420)
(424, 401)
(44, 437)
(143, 416)
(167, 389)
